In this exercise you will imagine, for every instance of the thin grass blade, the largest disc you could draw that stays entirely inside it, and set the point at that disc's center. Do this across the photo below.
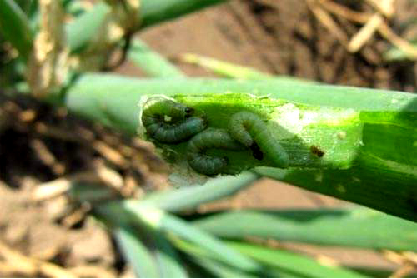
(158, 11)
(82, 29)
(148, 251)
(137, 214)
(380, 272)
(167, 258)
(293, 263)
(143, 264)
(220, 270)
(15, 27)
(190, 197)
(226, 69)
(172, 225)
(202, 258)
(362, 228)
(151, 62)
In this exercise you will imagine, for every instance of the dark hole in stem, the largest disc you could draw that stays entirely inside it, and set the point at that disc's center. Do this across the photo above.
(189, 111)
(316, 151)
(256, 152)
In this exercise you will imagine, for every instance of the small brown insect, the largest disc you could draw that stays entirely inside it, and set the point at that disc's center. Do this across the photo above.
(316, 151)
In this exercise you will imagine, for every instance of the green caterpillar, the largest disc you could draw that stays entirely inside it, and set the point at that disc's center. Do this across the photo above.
(170, 122)
(166, 108)
(249, 129)
(211, 138)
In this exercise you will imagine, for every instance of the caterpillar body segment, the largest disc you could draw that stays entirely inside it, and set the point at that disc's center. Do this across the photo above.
(210, 139)
(166, 108)
(208, 165)
(173, 133)
(170, 122)
(249, 129)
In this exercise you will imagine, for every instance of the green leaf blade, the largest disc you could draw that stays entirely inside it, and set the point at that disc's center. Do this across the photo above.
(151, 62)
(293, 263)
(135, 214)
(149, 252)
(176, 227)
(357, 167)
(158, 11)
(136, 253)
(190, 197)
(83, 29)
(15, 27)
(362, 228)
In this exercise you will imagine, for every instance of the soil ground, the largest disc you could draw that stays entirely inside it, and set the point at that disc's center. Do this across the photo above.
(278, 37)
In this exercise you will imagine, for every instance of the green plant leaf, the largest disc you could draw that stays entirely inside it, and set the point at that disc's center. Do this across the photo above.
(141, 258)
(151, 62)
(15, 27)
(27, 6)
(184, 198)
(220, 270)
(94, 96)
(230, 70)
(157, 11)
(293, 263)
(206, 260)
(175, 226)
(378, 272)
(74, 8)
(148, 251)
(190, 197)
(135, 213)
(82, 29)
(359, 227)
(152, 256)
(275, 263)
(364, 184)
(368, 135)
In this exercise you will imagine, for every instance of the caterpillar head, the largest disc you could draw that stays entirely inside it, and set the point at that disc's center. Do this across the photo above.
(189, 111)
